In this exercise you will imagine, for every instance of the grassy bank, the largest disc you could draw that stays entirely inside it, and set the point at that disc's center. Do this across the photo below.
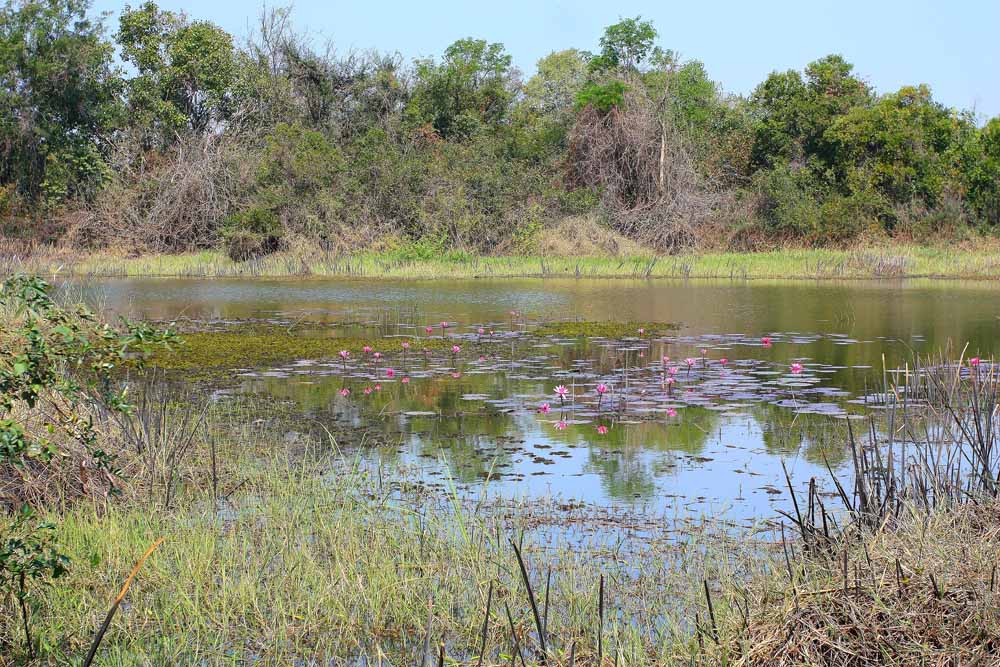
(863, 263)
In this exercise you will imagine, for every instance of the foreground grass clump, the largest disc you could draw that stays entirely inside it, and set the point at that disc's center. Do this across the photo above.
(864, 263)
(924, 592)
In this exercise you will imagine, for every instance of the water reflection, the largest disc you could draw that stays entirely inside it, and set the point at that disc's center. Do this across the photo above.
(471, 419)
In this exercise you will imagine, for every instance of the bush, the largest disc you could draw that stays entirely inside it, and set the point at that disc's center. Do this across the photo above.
(252, 233)
(787, 202)
(57, 371)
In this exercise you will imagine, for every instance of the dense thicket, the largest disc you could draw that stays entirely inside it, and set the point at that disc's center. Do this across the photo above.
(188, 139)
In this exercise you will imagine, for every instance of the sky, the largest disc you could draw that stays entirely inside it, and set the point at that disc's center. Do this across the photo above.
(952, 46)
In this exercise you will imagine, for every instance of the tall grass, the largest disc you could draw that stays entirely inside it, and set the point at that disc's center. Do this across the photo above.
(891, 262)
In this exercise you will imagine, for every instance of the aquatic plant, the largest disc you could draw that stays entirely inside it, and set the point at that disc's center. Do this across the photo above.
(561, 392)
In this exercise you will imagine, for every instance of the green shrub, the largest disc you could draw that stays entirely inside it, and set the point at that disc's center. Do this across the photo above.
(602, 97)
(57, 369)
(252, 233)
(788, 204)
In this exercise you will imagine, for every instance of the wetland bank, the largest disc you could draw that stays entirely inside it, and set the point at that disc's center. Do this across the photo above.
(560, 471)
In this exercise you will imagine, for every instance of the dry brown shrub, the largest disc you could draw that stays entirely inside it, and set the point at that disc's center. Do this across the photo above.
(168, 203)
(646, 173)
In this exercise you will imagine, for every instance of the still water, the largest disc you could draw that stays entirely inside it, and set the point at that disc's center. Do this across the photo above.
(709, 441)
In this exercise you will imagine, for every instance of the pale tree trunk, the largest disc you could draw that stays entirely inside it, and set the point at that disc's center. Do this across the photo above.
(663, 159)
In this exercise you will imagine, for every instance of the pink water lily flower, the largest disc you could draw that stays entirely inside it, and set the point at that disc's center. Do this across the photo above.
(602, 429)
(444, 325)
(390, 373)
(406, 345)
(405, 380)
(766, 341)
(669, 381)
(704, 351)
(974, 361)
(428, 330)
(368, 390)
(689, 361)
(723, 361)
(377, 355)
(672, 370)
(641, 331)
(561, 390)
(671, 412)
(344, 354)
(560, 425)
(367, 349)
(796, 368)
(455, 349)
(545, 408)
(602, 388)
(481, 331)
(456, 374)
(345, 392)
(666, 360)
(378, 387)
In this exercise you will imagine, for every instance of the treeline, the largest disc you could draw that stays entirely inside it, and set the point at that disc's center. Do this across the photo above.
(187, 139)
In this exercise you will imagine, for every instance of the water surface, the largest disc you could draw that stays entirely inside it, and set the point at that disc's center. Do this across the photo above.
(712, 443)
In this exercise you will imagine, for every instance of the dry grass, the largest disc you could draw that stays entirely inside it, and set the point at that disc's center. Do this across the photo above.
(584, 236)
(923, 593)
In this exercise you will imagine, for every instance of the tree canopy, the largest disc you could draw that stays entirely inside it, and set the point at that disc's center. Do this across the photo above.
(197, 140)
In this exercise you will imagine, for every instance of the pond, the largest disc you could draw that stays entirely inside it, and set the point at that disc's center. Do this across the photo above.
(758, 373)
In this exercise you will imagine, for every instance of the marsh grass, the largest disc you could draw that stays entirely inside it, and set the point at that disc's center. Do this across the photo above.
(315, 556)
(911, 577)
(864, 263)
(281, 552)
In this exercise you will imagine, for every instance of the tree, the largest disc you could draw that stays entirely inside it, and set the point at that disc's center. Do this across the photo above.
(473, 86)
(58, 81)
(185, 70)
(981, 166)
(793, 111)
(625, 45)
(553, 89)
(905, 146)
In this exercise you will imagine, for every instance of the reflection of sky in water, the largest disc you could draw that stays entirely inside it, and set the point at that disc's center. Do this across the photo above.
(720, 453)
(709, 458)
(731, 473)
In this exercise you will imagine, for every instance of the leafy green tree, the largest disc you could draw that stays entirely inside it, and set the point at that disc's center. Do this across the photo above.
(185, 70)
(794, 111)
(602, 96)
(981, 167)
(693, 98)
(625, 46)
(472, 87)
(553, 89)
(905, 146)
(781, 106)
(59, 92)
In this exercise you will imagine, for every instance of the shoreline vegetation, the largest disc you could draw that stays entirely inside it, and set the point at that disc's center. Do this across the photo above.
(158, 133)
(280, 550)
(891, 262)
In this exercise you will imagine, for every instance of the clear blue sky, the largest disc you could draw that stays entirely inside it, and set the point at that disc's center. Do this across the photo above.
(952, 46)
